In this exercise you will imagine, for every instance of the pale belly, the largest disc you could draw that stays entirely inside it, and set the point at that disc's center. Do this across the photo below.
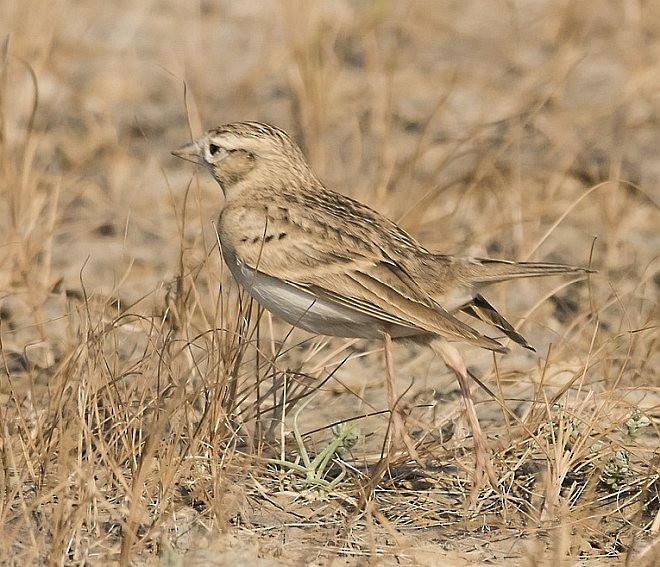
(302, 309)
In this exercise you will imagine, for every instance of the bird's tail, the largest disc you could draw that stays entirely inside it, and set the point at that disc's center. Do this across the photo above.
(479, 308)
(486, 270)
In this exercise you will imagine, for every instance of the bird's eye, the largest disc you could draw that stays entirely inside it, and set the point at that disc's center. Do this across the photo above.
(214, 149)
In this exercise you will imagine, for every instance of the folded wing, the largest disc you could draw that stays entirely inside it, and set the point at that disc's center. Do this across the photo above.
(348, 270)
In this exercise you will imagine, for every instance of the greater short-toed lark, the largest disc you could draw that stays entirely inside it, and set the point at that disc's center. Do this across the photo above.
(331, 265)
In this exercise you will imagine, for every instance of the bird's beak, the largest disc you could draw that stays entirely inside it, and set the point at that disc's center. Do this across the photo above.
(189, 152)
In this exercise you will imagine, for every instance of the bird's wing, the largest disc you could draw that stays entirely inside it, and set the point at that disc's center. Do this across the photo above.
(339, 264)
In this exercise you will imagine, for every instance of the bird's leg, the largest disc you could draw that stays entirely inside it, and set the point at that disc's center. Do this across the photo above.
(454, 361)
(398, 424)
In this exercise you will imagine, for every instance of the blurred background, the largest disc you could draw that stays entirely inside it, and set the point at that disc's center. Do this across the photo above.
(474, 124)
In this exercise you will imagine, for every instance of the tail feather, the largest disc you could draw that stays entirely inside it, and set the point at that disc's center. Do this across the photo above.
(481, 309)
(486, 270)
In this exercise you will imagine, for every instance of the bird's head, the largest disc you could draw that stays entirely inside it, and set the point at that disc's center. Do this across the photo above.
(248, 154)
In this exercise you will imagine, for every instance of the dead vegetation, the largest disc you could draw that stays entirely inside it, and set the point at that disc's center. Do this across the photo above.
(149, 413)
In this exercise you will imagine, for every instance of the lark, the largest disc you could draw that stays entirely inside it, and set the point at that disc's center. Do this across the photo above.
(333, 266)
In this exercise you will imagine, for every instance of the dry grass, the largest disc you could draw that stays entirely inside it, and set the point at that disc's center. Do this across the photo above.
(143, 400)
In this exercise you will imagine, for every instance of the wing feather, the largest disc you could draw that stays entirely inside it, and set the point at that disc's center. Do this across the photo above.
(346, 269)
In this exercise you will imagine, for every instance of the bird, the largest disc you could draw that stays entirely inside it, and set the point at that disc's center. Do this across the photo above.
(331, 265)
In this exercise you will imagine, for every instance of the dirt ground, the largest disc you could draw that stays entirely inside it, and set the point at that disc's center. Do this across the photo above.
(149, 414)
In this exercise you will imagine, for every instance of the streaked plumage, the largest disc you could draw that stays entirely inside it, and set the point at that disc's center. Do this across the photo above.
(331, 265)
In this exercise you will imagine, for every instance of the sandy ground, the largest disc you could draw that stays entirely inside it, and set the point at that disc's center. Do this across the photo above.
(521, 130)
